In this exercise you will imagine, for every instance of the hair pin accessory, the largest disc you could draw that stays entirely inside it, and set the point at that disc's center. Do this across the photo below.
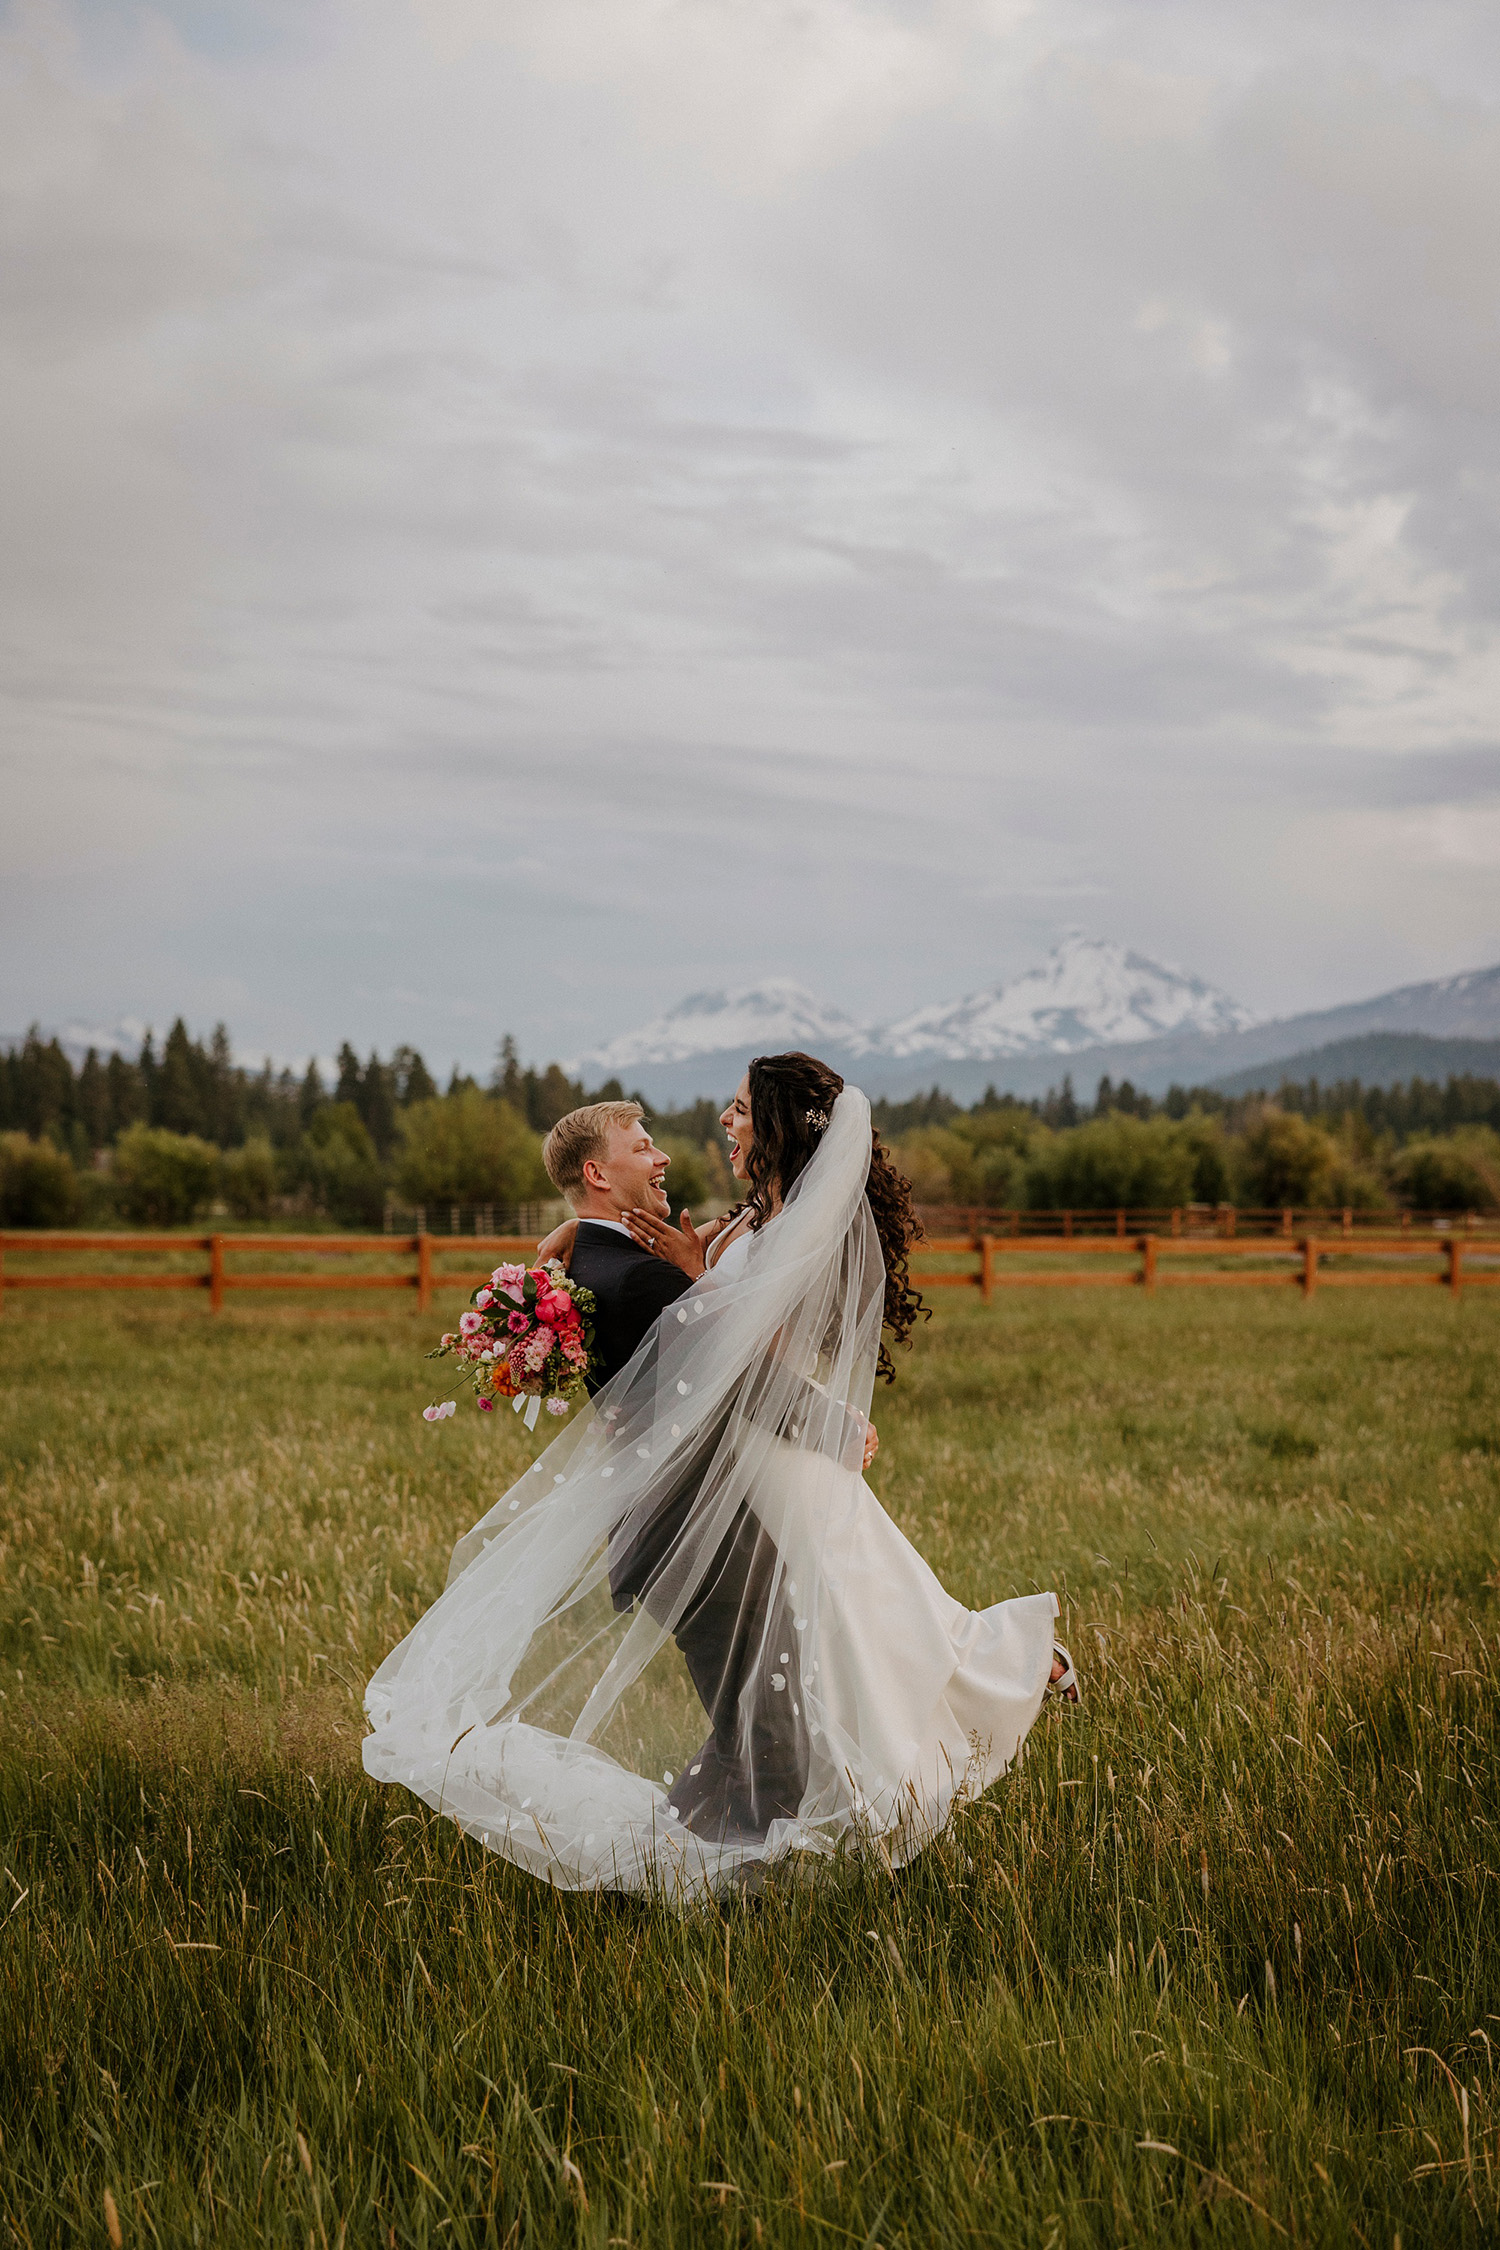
(818, 1120)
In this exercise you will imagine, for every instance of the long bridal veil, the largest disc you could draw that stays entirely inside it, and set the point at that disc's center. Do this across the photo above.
(648, 1665)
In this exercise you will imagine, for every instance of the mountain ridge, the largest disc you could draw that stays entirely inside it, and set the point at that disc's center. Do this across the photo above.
(1088, 990)
(1464, 1007)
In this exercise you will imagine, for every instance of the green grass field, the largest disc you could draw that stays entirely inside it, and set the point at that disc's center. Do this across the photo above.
(1220, 1962)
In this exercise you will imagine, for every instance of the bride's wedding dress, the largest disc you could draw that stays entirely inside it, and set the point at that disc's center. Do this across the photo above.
(717, 1475)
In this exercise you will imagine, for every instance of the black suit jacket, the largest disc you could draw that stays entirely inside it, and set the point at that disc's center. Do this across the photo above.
(632, 1289)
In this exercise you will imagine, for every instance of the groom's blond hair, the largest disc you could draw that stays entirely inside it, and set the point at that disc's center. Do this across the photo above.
(581, 1138)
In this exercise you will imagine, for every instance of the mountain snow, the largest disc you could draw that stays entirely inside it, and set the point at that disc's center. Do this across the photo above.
(752, 1019)
(1086, 994)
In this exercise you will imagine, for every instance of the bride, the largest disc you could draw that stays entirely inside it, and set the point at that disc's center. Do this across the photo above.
(543, 1702)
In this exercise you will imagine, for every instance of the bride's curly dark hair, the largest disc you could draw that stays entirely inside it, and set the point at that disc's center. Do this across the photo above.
(788, 1094)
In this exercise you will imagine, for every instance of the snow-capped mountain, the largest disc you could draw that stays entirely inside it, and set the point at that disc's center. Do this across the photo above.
(751, 1019)
(1086, 994)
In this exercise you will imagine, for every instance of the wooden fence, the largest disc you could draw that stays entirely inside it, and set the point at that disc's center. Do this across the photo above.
(1219, 1221)
(221, 1273)
(1308, 1261)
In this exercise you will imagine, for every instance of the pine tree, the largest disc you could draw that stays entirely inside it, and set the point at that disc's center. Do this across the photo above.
(93, 1100)
(183, 1090)
(226, 1091)
(150, 1070)
(125, 1096)
(377, 1103)
(413, 1080)
(44, 1089)
(348, 1088)
(507, 1079)
(312, 1096)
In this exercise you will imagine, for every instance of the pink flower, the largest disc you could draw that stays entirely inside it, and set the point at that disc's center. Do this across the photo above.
(538, 1349)
(486, 1406)
(518, 1324)
(508, 1280)
(470, 1323)
(441, 1412)
(483, 1297)
(557, 1406)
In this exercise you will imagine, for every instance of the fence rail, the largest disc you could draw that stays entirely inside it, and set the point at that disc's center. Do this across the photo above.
(1307, 1261)
(1199, 1221)
(428, 1254)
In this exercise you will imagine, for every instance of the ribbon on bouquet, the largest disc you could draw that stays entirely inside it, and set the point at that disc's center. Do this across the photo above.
(533, 1406)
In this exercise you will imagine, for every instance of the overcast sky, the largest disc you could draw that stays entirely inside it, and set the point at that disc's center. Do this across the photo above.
(512, 510)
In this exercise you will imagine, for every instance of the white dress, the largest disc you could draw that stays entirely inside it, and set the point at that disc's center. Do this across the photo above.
(908, 1687)
(709, 1499)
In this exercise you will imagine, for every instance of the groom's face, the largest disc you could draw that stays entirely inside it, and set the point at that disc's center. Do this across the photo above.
(633, 1170)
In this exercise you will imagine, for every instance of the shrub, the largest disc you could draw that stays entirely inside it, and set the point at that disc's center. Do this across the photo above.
(1458, 1172)
(468, 1147)
(1114, 1161)
(247, 1177)
(162, 1178)
(933, 1160)
(38, 1185)
(337, 1165)
(1286, 1160)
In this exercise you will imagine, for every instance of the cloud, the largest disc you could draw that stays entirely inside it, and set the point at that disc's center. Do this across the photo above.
(541, 504)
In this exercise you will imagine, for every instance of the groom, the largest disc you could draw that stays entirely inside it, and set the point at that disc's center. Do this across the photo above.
(604, 1161)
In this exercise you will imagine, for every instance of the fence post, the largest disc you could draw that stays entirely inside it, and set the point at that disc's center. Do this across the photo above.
(1176, 1219)
(1455, 1274)
(216, 1273)
(424, 1272)
(2, 1277)
(1286, 1221)
(986, 1249)
(1067, 1226)
(1309, 1266)
(1148, 1261)
(1120, 1224)
(1348, 1220)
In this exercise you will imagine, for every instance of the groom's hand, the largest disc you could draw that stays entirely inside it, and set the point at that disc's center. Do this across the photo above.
(679, 1246)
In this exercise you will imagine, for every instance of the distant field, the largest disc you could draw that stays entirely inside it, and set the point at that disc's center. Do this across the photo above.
(1219, 1964)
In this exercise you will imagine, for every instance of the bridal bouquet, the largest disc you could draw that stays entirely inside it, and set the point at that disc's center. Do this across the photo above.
(528, 1337)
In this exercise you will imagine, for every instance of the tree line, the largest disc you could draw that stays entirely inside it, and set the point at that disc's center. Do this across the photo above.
(1422, 1146)
(174, 1133)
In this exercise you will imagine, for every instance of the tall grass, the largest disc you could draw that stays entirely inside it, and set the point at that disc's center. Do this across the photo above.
(1219, 1963)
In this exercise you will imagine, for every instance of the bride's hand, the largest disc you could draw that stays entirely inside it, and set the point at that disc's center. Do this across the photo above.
(559, 1244)
(872, 1443)
(679, 1246)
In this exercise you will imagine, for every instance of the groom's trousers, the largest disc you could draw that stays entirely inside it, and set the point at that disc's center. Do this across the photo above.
(737, 1640)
